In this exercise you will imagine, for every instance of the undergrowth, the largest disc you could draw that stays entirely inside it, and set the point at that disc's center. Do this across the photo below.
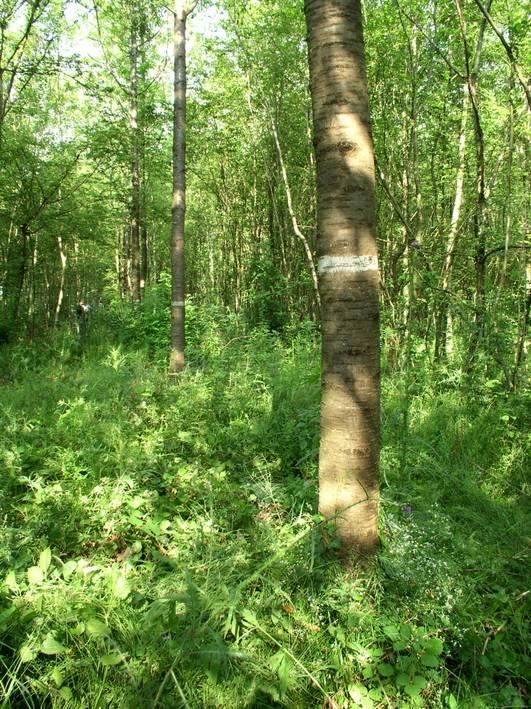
(160, 544)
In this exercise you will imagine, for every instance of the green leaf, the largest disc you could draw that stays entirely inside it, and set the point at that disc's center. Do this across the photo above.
(357, 691)
(385, 669)
(68, 569)
(415, 687)
(112, 659)
(434, 646)
(284, 671)
(185, 436)
(27, 653)
(405, 632)
(35, 575)
(429, 660)
(66, 693)
(359, 695)
(121, 587)
(79, 629)
(391, 631)
(491, 383)
(96, 628)
(413, 690)
(402, 679)
(11, 582)
(6, 615)
(249, 617)
(51, 646)
(57, 677)
(451, 701)
(45, 559)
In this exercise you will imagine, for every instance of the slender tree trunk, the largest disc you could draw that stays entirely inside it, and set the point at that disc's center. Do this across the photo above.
(61, 291)
(480, 217)
(118, 265)
(348, 270)
(77, 270)
(145, 257)
(32, 292)
(5, 277)
(1, 102)
(521, 338)
(179, 187)
(485, 10)
(126, 281)
(508, 201)
(135, 162)
(444, 339)
(294, 223)
(20, 277)
(414, 309)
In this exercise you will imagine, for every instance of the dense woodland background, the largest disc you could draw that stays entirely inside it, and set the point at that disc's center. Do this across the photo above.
(160, 544)
(86, 143)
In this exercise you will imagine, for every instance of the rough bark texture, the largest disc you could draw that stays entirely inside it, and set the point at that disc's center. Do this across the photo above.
(348, 271)
(179, 187)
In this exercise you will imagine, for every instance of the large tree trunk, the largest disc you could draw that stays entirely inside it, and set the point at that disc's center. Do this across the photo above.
(179, 189)
(348, 270)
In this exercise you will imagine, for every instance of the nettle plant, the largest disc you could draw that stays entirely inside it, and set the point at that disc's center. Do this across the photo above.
(405, 666)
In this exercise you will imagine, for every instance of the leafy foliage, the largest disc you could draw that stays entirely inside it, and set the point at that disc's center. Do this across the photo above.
(162, 541)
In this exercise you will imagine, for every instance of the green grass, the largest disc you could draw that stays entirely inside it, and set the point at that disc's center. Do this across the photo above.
(159, 544)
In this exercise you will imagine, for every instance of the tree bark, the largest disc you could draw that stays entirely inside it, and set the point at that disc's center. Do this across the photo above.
(179, 188)
(145, 258)
(20, 277)
(480, 217)
(61, 290)
(444, 335)
(348, 273)
(135, 162)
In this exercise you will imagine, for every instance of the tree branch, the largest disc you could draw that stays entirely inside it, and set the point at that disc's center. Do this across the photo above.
(509, 51)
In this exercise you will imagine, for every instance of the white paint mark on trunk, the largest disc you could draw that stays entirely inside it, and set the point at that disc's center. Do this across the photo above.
(347, 264)
(177, 304)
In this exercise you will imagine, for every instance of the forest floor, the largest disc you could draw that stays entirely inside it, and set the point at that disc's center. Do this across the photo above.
(159, 544)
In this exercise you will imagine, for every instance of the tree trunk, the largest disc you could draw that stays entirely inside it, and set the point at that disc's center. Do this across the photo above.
(145, 258)
(348, 271)
(179, 189)
(126, 260)
(20, 277)
(521, 338)
(444, 335)
(135, 162)
(61, 291)
(480, 217)
(294, 223)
